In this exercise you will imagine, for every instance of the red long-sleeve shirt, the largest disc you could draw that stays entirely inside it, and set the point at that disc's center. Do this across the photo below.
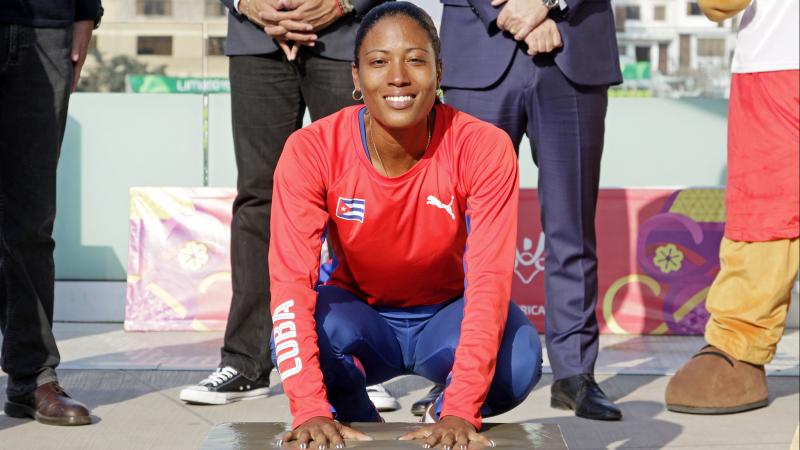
(400, 242)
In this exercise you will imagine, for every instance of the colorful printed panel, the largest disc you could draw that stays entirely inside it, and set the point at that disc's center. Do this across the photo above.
(179, 274)
(658, 254)
(657, 250)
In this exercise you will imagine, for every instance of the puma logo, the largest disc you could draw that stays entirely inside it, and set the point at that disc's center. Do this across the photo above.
(438, 203)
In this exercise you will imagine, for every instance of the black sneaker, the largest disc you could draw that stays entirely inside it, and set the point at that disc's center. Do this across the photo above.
(223, 386)
(420, 406)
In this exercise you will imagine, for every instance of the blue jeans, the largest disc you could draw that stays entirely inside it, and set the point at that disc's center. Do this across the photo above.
(388, 342)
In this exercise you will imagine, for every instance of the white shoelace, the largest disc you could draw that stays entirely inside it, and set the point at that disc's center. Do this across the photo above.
(220, 376)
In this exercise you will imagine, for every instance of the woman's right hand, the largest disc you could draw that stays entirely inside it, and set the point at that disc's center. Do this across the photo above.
(324, 432)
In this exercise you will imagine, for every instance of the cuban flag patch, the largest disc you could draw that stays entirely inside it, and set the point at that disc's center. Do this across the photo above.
(351, 209)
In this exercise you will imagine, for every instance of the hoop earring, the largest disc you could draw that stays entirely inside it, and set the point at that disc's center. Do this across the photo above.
(357, 95)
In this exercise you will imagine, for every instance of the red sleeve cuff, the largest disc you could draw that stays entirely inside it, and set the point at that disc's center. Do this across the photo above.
(308, 415)
(474, 419)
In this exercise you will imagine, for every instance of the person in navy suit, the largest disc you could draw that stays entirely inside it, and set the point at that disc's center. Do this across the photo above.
(543, 68)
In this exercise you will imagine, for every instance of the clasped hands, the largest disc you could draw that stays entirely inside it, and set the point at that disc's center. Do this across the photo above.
(453, 433)
(527, 21)
(292, 23)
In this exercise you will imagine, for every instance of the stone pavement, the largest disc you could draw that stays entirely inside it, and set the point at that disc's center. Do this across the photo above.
(132, 380)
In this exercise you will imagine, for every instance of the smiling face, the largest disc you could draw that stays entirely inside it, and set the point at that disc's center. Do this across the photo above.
(398, 72)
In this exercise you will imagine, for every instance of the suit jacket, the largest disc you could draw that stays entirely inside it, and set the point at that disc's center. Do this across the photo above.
(335, 42)
(476, 53)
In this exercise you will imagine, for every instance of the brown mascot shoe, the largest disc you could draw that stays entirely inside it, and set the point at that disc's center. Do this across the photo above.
(49, 404)
(714, 382)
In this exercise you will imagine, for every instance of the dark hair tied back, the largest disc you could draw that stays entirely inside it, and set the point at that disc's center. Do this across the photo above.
(393, 9)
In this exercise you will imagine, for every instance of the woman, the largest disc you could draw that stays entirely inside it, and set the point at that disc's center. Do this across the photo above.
(419, 202)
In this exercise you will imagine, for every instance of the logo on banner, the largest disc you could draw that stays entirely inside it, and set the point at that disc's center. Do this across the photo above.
(448, 208)
(351, 209)
(529, 264)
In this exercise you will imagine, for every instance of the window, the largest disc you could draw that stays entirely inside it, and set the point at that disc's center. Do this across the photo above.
(642, 54)
(215, 46)
(215, 8)
(154, 7)
(623, 13)
(711, 47)
(154, 45)
(660, 13)
(685, 56)
(632, 12)
(663, 55)
(693, 9)
(619, 18)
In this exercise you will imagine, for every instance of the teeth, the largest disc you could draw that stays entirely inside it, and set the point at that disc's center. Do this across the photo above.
(399, 98)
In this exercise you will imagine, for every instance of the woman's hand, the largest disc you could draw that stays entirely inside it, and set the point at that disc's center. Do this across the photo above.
(324, 432)
(451, 431)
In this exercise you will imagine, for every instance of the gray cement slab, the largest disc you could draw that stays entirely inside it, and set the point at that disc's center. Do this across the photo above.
(505, 436)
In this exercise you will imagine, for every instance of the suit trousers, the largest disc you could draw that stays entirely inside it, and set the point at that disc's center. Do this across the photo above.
(566, 124)
(269, 97)
(35, 77)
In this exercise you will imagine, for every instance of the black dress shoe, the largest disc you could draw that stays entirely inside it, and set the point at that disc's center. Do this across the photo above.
(582, 395)
(419, 407)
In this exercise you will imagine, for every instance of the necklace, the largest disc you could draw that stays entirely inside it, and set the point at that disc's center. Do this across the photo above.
(378, 153)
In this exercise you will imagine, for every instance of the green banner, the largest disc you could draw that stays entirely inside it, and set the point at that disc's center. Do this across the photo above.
(630, 92)
(160, 84)
(636, 71)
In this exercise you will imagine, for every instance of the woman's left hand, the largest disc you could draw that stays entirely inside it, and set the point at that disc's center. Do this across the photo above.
(454, 433)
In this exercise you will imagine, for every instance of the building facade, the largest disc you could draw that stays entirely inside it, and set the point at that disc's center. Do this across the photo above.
(688, 55)
(677, 52)
(182, 38)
